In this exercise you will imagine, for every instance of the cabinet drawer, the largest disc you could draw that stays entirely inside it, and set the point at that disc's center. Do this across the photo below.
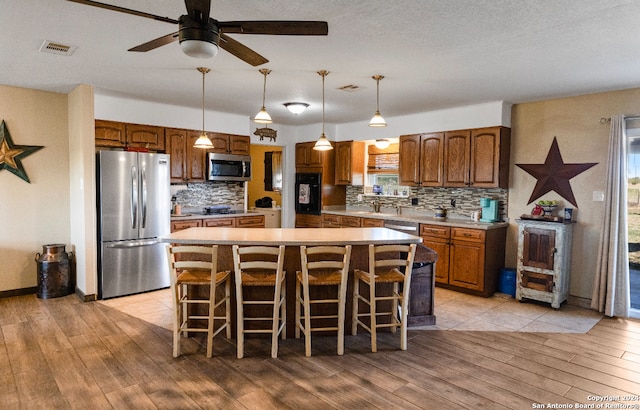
(256, 221)
(330, 219)
(470, 235)
(220, 222)
(435, 230)
(180, 225)
(537, 281)
(372, 223)
(350, 221)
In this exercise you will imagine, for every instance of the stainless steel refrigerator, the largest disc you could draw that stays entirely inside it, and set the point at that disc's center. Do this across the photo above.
(133, 212)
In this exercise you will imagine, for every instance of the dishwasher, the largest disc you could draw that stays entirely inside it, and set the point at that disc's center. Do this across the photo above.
(421, 295)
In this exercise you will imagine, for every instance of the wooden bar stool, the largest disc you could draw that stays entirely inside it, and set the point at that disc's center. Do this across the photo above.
(387, 264)
(260, 266)
(321, 266)
(185, 275)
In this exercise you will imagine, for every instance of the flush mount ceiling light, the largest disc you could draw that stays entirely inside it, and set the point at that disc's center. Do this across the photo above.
(263, 117)
(382, 143)
(203, 140)
(323, 144)
(377, 120)
(296, 107)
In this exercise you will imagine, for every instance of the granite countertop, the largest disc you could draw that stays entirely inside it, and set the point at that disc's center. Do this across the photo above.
(454, 221)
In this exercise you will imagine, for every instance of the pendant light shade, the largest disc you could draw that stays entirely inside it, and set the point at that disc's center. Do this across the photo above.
(323, 144)
(263, 117)
(203, 140)
(377, 120)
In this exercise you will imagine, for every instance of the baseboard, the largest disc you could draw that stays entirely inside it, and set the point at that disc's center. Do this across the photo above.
(584, 303)
(18, 292)
(85, 298)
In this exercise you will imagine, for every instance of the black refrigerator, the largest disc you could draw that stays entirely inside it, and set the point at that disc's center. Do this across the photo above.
(308, 193)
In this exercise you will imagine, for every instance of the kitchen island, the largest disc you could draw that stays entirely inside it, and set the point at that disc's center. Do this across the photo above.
(293, 238)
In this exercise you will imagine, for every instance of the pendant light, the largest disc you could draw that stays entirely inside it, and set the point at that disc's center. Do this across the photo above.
(323, 144)
(263, 117)
(377, 120)
(203, 140)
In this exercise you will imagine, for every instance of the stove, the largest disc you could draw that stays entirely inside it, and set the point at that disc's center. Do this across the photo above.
(220, 209)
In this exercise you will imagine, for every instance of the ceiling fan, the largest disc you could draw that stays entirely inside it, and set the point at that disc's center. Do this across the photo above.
(201, 35)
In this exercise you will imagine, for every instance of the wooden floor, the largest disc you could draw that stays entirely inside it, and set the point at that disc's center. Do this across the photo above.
(62, 353)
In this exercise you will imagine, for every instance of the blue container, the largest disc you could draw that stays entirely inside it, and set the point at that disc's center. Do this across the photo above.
(507, 282)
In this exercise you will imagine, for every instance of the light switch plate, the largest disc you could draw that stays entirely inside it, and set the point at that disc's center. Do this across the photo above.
(598, 196)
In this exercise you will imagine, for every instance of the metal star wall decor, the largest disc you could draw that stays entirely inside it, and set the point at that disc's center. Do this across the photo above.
(11, 155)
(554, 175)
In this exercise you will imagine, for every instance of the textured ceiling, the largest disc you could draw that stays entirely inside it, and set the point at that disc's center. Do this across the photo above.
(434, 54)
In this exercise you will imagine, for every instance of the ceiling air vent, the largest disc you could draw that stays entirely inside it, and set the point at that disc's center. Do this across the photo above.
(349, 88)
(56, 48)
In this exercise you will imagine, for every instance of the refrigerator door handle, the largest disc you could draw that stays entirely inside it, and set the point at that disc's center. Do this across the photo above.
(144, 197)
(134, 197)
(133, 244)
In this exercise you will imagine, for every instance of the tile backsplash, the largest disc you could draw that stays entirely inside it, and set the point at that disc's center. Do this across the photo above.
(466, 200)
(211, 193)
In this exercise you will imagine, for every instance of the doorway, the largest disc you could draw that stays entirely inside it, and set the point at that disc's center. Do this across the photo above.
(633, 217)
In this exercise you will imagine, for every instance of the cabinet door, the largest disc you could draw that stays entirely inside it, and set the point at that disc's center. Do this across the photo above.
(431, 159)
(330, 221)
(343, 163)
(306, 156)
(456, 158)
(145, 136)
(239, 144)
(372, 223)
(220, 222)
(485, 158)
(539, 247)
(110, 134)
(350, 222)
(466, 265)
(441, 247)
(409, 160)
(220, 142)
(301, 155)
(254, 221)
(195, 159)
(176, 147)
(308, 221)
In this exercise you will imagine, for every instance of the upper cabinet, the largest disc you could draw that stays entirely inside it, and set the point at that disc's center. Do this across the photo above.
(307, 157)
(115, 134)
(349, 163)
(477, 158)
(421, 159)
(187, 162)
(229, 143)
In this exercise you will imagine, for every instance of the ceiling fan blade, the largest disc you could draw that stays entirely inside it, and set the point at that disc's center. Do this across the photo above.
(158, 42)
(125, 10)
(276, 27)
(241, 51)
(198, 10)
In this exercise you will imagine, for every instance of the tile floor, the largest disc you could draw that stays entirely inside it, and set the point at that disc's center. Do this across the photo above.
(454, 311)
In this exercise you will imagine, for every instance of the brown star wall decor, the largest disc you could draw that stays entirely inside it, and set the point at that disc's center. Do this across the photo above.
(11, 155)
(554, 175)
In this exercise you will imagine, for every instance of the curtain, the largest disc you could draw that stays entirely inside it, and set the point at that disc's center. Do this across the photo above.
(611, 285)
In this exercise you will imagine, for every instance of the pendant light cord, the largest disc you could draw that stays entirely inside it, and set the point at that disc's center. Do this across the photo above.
(203, 74)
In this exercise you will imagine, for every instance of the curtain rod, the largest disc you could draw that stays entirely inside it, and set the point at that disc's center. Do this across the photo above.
(608, 120)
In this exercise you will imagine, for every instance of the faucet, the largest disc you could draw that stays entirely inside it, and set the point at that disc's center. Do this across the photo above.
(376, 206)
(398, 209)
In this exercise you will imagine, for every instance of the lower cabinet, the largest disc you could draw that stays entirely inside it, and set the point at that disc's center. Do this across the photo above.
(249, 221)
(308, 221)
(468, 259)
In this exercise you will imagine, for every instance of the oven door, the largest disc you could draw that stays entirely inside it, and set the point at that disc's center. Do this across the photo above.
(308, 194)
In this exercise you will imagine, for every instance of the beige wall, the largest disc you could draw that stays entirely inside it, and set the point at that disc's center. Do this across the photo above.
(36, 213)
(581, 138)
(256, 185)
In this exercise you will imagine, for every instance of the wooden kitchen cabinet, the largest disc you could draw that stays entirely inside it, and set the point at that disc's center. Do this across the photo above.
(477, 158)
(308, 221)
(145, 136)
(371, 223)
(189, 223)
(468, 259)
(421, 159)
(229, 143)
(307, 157)
(110, 134)
(246, 221)
(187, 162)
(330, 221)
(349, 163)
(252, 221)
(219, 222)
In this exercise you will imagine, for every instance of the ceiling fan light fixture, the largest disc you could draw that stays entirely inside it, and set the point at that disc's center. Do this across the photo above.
(199, 48)
(323, 144)
(382, 143)
(203, 140)
(263, 117)
(296, 107)
(377, 120)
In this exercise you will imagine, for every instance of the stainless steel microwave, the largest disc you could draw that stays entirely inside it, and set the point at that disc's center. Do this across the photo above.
(228, 167)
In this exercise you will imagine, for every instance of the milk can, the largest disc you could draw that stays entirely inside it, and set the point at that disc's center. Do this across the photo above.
(54, 272)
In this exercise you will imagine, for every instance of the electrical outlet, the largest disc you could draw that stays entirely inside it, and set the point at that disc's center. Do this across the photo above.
(359, 197)
(598, 196)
